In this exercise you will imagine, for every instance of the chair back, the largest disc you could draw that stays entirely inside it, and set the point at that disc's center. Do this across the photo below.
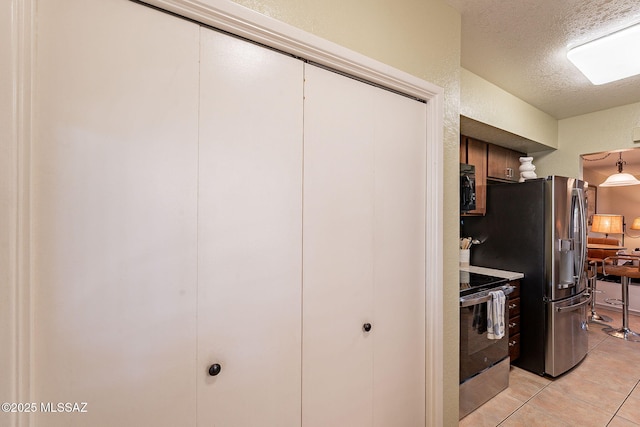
(601, 253)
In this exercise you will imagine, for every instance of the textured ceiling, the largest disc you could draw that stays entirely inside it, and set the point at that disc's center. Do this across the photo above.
(521, 47)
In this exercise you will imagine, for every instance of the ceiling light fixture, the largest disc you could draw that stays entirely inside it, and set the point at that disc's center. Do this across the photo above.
(620, 179)
(609, 58)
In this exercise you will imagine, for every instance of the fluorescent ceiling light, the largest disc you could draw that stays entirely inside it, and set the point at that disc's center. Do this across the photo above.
(609, 58)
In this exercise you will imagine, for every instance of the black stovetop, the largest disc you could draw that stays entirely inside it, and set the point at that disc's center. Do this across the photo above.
(474, 282)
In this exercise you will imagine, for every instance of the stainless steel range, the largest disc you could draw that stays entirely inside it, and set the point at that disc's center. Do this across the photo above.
(484, 362)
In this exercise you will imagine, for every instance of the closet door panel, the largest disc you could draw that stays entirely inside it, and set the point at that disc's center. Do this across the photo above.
(399, 287)
(113, 238)
(250, 234)
(338, 251)
(364, 254)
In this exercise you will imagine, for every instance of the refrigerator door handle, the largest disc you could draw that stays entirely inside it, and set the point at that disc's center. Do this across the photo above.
(582, 221)
(574, 306)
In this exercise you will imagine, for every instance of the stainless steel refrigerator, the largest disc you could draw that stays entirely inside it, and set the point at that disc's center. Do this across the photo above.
(538, 227)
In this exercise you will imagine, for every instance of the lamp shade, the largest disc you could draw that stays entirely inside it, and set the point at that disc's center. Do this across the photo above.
(636, 224)
(607, 224)
(620, 179)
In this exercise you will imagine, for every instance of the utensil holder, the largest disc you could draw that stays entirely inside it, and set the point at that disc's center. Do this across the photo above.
(465, 255)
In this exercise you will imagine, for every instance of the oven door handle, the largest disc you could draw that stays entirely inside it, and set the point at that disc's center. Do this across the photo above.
(469, 301)
(574, 306)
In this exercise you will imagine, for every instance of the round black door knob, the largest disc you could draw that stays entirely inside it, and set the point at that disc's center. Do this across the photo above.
(214, 369)
(366, 327)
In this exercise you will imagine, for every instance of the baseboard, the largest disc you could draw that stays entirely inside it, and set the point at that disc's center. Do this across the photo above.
(617, 308)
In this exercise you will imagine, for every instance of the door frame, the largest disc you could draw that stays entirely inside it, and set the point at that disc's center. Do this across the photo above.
(16, 55)
(15, 251)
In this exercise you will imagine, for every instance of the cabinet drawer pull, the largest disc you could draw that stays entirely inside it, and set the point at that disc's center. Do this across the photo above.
(512, 306)
(512, 325)
(513, 343)
(366, 327)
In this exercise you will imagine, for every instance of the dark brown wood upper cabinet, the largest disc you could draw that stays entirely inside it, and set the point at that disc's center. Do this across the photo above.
(503, 164)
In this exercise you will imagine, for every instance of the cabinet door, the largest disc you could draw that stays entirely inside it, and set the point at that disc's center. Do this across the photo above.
(364, 184)
(497, 162)
(114, 179)
(503, 163)
(513, 164)
(249, 234)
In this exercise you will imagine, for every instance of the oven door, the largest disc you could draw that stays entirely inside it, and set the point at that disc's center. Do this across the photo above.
(477, 351)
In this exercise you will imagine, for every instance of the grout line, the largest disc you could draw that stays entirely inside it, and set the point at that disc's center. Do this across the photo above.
(598, 344)
(622, 404)
(525, 402)
(520, 407)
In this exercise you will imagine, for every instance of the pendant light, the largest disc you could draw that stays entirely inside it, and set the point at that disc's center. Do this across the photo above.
(620, 179)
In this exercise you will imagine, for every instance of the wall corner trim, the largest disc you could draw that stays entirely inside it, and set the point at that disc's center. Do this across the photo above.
(18, 210)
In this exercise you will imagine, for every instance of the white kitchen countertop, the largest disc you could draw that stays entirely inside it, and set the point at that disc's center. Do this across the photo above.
(510, 275)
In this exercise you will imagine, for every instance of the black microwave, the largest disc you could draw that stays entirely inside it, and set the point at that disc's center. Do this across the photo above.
(467, 187)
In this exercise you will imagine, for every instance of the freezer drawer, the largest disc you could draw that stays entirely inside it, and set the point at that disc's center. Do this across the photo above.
(567, 334)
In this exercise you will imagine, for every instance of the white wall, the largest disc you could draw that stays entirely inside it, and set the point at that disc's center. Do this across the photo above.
(604, 130)
(623, 201)
(485, 102)
(614, 291)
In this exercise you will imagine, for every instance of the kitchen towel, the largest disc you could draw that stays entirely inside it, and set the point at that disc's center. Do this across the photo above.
(495, 315)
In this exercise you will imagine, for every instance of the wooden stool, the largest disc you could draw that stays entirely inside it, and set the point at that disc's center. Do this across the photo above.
(625, 272)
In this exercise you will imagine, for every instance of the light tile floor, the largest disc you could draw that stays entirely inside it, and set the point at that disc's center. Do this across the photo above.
(603, 390)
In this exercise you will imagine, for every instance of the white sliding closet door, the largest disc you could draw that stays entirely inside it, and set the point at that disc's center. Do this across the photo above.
(250, 235)
(174, 281)
(338, 251)
(114, 179)
(364, 255)
(399, 251)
